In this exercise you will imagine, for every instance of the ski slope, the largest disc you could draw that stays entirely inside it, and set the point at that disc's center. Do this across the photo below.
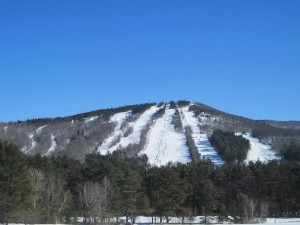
(53, 145)
(118, 118)
(33, 143)
(138, 125)
(90, 119)
(259, 151)
(204, 147)
(31, 138)
(165, 144)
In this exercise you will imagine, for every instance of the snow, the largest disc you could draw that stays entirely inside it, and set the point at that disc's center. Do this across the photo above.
(5, 128)
(31, 137)
(138, 125)
(210, 220)
(118, 118)
(282, 221)
(194, 220)
(204, 147)
(39, 129)
(258, 150)
(33, 142)
(90, 119)
(165, 144)
(53, 145)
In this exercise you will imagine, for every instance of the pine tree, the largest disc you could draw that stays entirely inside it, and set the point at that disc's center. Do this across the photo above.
(134, 196)
(16, 183)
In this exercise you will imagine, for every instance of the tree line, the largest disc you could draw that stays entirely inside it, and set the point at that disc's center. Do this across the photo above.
(35, 189)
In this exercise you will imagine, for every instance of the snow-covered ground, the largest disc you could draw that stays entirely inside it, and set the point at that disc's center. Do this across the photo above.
(138, 125)
(90, 119)
(196, 220)
(31, 137)
(33, 142)
(259, 151)
(204, 147)
(39, 129)
(164, 143)
(53, 145)
(211, 220)
(118, 119)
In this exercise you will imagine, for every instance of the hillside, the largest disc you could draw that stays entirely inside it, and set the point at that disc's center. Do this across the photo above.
(177, 132)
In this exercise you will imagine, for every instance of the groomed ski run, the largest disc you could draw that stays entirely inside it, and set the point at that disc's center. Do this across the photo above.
(138, 125)
(204, 147)
(165, 144)
(259, 151)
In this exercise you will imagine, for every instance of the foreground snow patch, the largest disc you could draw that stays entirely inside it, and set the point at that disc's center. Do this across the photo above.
(195, 220)
(259, 151)
(210, 220)
(165, 144)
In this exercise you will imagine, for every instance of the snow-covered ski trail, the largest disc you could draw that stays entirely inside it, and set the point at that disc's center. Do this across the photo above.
(165, 144)
(138, 125)
(53, 145)
(31, 137)
(118, 118)
(258, 150)
(90, 119)
(204, 147)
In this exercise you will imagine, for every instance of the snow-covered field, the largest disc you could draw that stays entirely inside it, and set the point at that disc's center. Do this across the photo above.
(165, 144)
(214, 220)
(196, 220)
(259, 151)
(204, 147)
(209, 220)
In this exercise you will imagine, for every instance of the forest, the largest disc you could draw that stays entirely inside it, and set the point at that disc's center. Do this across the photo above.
(35, 189)
(229, 146)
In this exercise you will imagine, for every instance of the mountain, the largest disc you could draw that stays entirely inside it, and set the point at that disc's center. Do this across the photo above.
(284, 124)
(176, 131)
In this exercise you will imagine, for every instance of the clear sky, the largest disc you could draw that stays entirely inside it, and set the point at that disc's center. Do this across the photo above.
(60, 58)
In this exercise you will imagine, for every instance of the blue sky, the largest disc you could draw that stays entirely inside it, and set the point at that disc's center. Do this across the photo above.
(59, 58)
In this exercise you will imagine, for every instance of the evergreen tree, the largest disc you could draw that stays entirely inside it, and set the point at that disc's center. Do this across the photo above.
(167, 191)
(16, 184)
(230, 147)
(135, 201)
(291, 152)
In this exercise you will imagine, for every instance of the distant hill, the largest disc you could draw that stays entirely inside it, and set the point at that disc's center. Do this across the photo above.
(283, 124)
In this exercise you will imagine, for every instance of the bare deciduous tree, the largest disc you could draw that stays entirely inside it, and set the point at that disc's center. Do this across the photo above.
(95, 198)
(53, 198)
